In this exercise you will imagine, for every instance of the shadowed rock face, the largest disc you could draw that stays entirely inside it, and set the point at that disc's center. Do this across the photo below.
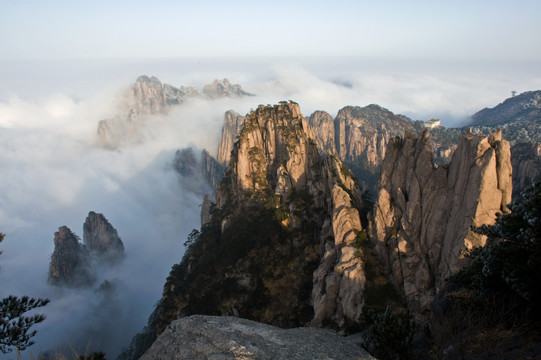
(211, 337)
(70, 261)
(102, 239)
(526, 160)
(232, 124)
(148, 97)
(420, 226)
(223, 88)
(523, 107)
(74, 264)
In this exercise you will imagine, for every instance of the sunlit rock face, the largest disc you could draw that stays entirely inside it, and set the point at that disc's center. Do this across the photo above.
(420, 226)
(359, 137)
(282, 231)
(102, 239)
(70, 262)
(226, 337)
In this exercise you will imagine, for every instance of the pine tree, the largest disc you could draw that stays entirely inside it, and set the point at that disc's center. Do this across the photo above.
(14, 326)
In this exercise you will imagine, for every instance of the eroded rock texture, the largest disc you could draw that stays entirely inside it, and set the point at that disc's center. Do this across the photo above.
(102, 239)
(70, 261)
(221, 337)
(421, 221)
(232, 124)
(148, 97)
(282, 235)
(526, 160)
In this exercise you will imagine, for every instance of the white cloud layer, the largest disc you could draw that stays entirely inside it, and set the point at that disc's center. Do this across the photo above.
(53, 173)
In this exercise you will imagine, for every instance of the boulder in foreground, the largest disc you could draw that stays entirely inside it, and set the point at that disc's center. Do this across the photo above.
(226, 337)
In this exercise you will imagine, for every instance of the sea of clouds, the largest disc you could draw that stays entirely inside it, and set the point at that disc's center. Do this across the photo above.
(53, 172)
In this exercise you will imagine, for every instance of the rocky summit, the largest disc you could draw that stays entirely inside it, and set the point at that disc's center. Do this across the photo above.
(102, 239)
(226, 337)
(75, 264)
(149, 97)
(70, 261)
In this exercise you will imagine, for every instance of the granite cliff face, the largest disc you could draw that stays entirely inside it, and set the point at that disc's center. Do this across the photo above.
(74, 264)
(232, 125)
(221, 337)
(280, 243)
(202, 173)
(102, 239)
(360, 133)
(283, 243)
(526, 161)
(70, 261)
(148, 97)
(420, 225)
(359, 137)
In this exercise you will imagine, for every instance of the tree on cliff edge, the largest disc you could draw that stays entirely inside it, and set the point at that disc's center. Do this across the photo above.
(14, 326)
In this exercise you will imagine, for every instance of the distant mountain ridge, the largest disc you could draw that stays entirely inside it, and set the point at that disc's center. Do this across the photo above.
(523, 107)
(149, 96)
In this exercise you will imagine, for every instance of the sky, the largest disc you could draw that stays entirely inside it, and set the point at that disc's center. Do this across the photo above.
(65, 65)
(209, 28)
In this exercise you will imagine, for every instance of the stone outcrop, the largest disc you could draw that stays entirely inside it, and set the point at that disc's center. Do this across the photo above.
(223, 88)
(283, 231)
(359, 137)
(232, 124)
(148, 97)
(323, 125)
(70, 261)
(202, 172)
(211, 337)
(526, 161)
(360, 133)
(74, 264)
(277, 151)
(420, 226)
(102, 239)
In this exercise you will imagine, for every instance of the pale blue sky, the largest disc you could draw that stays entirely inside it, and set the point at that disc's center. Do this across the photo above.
(160, 29)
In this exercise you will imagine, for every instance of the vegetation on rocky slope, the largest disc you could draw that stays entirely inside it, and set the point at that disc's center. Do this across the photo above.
(491, 307)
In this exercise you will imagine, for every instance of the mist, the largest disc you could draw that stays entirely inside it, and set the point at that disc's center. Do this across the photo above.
(54, 173)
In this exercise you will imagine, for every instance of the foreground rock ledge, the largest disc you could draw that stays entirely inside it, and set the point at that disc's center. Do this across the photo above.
(226, 337)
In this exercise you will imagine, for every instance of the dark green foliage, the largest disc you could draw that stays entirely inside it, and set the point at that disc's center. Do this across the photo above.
(510, 263)
(256, 265)
(96, 355)
(14, 326)
(388, 335)
(142, 341)
(366, 208)
(496, 298)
